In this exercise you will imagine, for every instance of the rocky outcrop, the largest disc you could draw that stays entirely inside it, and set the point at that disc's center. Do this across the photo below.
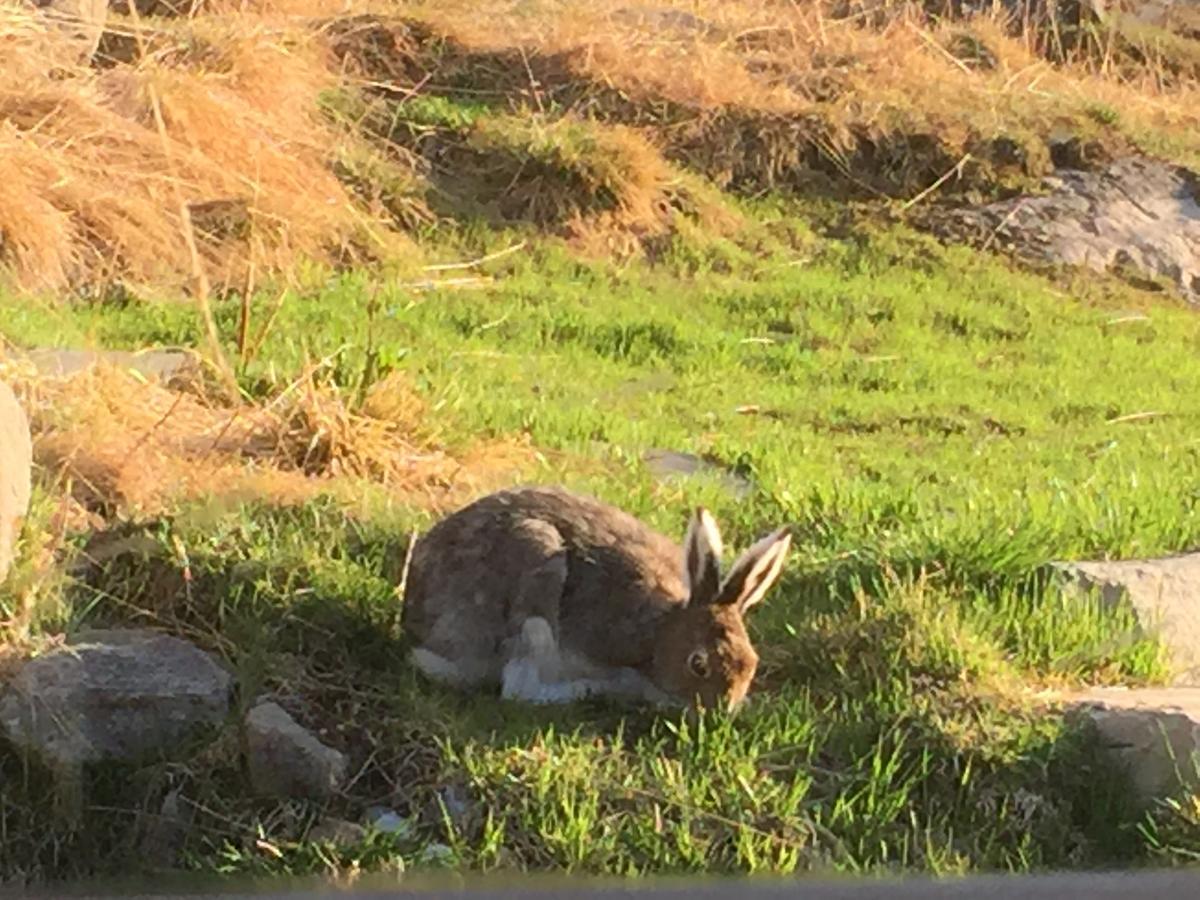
(1139, 217)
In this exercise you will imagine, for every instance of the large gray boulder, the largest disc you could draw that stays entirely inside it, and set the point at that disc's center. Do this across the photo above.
(1164, 594)
(16, 463)
(127, 696)
(287, 761)
(1153, 733)
(1139, 216)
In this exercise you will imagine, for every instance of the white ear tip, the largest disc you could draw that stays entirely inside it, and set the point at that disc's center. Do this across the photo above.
(708, 527)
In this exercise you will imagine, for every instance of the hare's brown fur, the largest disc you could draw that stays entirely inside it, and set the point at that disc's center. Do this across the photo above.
(606, 598)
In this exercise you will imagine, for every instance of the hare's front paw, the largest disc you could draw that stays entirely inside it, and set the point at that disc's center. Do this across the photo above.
(656, 696)
(537, 638)
(633, 685)
(520, 679)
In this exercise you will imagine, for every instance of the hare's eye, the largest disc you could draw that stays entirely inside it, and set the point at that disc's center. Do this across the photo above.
(698, 663)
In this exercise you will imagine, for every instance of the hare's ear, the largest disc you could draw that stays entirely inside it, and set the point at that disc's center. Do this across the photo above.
(702, 557)
(756, 570)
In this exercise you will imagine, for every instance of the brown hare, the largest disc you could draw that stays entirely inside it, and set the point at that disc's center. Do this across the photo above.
(557, 596)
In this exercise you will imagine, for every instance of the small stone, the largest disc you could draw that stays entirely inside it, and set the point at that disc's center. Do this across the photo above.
(16, 463)
(457, 802)
(666, 20)
(166, 833)
(1154, 733)
(669, 465)
(437, 855)
(128, 696)
(452, 802)
(387, 821)
(337, 831)
(285, 760)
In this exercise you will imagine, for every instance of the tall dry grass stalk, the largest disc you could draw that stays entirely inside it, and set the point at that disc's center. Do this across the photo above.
(131, 447)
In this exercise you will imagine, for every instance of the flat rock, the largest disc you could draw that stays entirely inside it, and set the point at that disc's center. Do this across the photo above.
(1152, 732)
(667, 465)
(129, 696)
(385, 820)
(169, 367)
(1140, 216)
(286, 760)
(16, 464)
(1164, 594)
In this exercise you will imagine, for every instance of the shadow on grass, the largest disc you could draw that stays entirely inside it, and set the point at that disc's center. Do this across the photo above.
(867, 746)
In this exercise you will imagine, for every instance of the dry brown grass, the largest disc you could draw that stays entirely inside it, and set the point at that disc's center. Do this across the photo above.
(604, 186)
(786, 57)
(766, 95)
(209, 131)
(103, 172)
(125, 446)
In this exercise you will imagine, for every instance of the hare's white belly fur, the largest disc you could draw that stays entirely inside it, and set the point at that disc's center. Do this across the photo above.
(538, 670)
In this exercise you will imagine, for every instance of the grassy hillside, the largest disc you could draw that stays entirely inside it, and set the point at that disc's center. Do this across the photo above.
(937, 427)
(486, 244)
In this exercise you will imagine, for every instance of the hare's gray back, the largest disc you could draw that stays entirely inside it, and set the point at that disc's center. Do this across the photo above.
(598, 575)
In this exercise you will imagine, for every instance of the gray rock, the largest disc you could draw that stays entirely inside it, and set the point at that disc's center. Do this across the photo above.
(337, 832)
(387, 821)
(285, 760)
(667, 465)
(129, 696)
(1164, 594)
(169, 367)
(16, 463)
(1154, 733)
(1180, 17)
(437, 854)
(165, 832)
(667, 21)
(459, 805)
(455, 803)
(1139, 215)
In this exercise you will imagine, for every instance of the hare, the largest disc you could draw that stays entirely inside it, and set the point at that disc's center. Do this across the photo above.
(556, 596)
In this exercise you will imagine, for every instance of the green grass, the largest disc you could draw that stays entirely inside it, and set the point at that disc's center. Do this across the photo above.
(936, 427)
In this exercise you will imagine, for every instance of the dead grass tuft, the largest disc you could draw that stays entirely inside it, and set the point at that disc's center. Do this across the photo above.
(134, 448)
(807, 99)
(562, 173)
(103, 172)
